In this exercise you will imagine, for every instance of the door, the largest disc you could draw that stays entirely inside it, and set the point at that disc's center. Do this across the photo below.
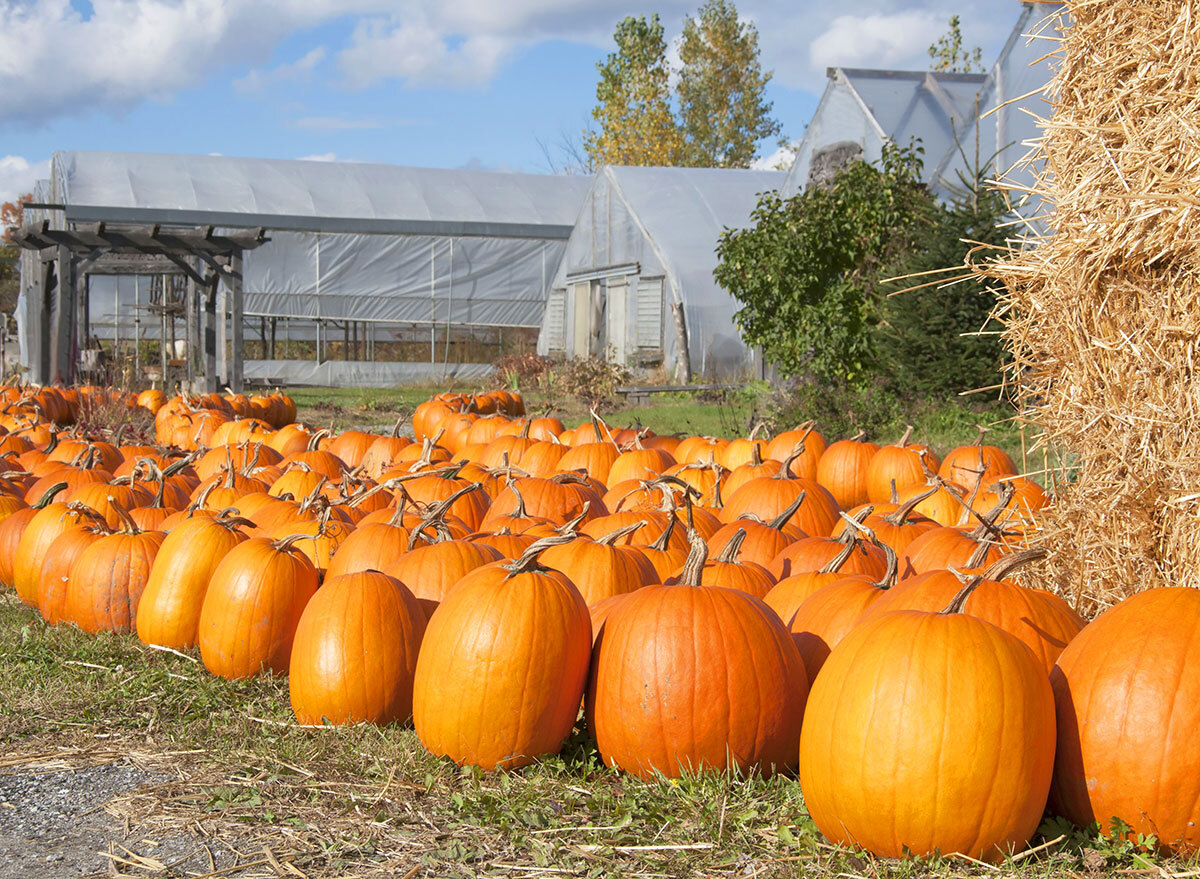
(616, 311)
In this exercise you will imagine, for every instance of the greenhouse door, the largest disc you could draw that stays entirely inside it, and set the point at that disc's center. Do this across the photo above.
(616, 307)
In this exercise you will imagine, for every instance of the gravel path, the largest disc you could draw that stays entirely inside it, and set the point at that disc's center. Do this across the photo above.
(52, 825)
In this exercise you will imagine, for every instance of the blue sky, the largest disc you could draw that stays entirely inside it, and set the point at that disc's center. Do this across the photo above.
(443, 83)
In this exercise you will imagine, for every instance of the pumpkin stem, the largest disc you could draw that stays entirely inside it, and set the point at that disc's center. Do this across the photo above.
(396, 427)
(930, 476)
(895, 498)
(856, 523)
(756, 455)
(903, 441)
(898, 516)
(177, 466)
(958, 601)
(612, 538)
(835, 564)
(664, 539)
(893, 565)
(693, 568)
(528, 562)
(283, 544)
(859, 437)
(572, 526)
(987, 522)
(519, 512)
(784, 517)
(754, 431)
(729, 555)
(601, 428)
(785, 472)
(48, 495)
(1005, 565)
(53, 444)
(231, 522)
(979, 439)
(980, 553)
(123, 514)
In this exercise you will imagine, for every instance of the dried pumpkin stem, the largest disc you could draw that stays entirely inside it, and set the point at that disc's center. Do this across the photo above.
(693, 568)
(528, 561)
(611, 538)
(729, 555)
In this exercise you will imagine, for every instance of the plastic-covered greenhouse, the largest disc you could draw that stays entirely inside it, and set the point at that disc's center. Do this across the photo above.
(638, 272)
(958, 118)
(370, 273)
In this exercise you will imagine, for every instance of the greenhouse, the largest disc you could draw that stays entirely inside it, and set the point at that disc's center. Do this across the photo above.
(960, 120)
(636, 284)
(360, 273)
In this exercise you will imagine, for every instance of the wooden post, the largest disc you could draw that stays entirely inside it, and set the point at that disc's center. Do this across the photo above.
(683, 359)
(236, 371)
(210, 335)
(192, 329)
(274, 321)
(62, 333)
(222, 332)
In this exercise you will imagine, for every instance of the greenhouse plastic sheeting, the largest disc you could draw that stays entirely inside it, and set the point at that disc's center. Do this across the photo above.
(667, 221)
(342, 373)
(347, 241)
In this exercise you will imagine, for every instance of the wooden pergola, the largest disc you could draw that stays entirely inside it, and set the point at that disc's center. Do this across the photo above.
(211, 264)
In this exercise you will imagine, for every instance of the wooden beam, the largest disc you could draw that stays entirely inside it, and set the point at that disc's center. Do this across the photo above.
(237, 320)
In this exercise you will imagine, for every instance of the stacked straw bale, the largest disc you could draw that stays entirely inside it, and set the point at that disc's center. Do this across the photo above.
(1103, 315)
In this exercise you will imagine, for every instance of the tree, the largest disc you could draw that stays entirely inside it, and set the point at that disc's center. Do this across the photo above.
(949, 56)
(931, 335)
(806, 271)
(722, 106)
(11, 214)
(633, 110)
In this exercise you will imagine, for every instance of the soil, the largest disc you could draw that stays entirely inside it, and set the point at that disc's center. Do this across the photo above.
(53, 825)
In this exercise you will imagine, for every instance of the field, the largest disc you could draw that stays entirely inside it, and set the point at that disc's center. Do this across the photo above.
(241, 775)
(220, 779)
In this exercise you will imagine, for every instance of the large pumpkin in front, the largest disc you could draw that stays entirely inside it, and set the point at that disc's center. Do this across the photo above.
(689, 677)
(252, 607)
(355, 651)
(927, 733)
(503, 666)
(1127, 694)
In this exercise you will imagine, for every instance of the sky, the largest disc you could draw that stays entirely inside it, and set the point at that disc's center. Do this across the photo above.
(490, 84)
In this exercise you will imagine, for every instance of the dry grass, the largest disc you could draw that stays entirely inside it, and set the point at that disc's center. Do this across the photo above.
(244, 778)
(1103, 316)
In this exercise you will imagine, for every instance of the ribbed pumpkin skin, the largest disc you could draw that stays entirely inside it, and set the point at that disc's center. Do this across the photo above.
(251, 609)
(42, 530)
(899, 463)
(56, 568)
(828, 615)
(1127, 695)
(1042, 621)
(430, 571)
(12, 529)
(600, 571)
(169, 612)
(843, 471)
(355, 651)
(373, 546)
(928, 732)
(691, 676)
(502, 670)
(107, 580)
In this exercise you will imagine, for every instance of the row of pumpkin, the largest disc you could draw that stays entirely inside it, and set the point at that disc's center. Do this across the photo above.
(493, 577)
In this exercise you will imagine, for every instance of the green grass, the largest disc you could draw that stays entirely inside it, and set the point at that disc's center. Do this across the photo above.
(363, 799)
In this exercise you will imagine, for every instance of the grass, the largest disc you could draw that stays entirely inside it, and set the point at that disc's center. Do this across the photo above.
(367, 800)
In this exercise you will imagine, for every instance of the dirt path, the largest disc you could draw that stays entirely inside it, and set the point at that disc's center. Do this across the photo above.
(53, 824)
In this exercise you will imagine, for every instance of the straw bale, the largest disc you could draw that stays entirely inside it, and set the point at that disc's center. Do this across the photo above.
(1103, 315)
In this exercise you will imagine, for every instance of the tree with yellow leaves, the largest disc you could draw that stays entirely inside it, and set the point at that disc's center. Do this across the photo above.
(633, 113)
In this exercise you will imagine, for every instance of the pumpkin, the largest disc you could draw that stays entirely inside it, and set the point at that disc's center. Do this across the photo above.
(430, 571)
(901, 463)
(969, 465)
(729, 571)
(600, 569)
(764, 540)
(1041, 620)
(824, 618)
(169, 612)
(12, 529)
(801, 449)
(929, 732)
(355, 651)
(842, 469)
(1127, 697)
(503, 665)
(687, 677)
(62, 554)
(108, 578)
(252, 607)
(767, 497)
(43, 529)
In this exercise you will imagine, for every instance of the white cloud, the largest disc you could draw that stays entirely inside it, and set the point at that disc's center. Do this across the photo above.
(258, 81)
(18, 175)
(320, 157)
(900, 40)
(56, 61)
(780, 160)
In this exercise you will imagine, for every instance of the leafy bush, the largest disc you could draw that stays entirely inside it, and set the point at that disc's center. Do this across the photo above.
(522, 370)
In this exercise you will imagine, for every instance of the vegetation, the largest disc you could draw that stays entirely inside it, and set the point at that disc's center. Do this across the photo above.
(806, 271)
(718, 114)
(949, 56)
